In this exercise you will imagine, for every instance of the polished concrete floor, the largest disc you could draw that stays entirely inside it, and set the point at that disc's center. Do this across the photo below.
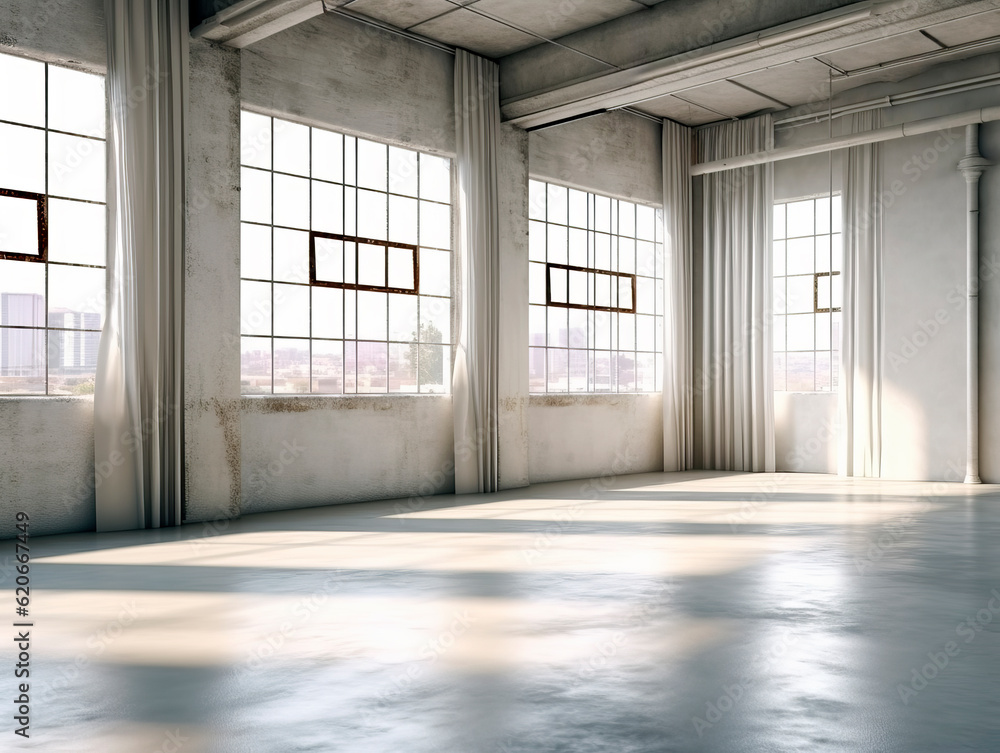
(650, 613)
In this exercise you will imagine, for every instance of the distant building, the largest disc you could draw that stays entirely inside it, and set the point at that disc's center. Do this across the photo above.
(71, 347)
(22, 351)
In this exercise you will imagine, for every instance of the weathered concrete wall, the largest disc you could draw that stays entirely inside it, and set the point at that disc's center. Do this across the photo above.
(47, 464)
(70, 32)
(332, 72)
(580, 436)
(47, 444)
(613, 153)
(513, 412)
(304, 451)
(212, 286)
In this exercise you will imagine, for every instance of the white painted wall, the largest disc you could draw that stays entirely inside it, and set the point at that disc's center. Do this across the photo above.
(47, 444)
(580, 436)
(923, 415)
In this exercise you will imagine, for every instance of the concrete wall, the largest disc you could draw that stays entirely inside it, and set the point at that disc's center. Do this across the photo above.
(580, 436)
(923, 199)
(47, 444)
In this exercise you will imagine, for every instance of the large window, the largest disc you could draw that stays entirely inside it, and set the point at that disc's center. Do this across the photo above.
(807, 294)
(346, 263)
(595, 292)
(52, 227)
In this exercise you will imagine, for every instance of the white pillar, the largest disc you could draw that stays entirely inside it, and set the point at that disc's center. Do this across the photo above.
(972, 166)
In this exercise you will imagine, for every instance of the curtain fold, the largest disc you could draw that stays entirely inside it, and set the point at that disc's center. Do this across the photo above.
(678, 449)
(734, 383)
(138, 402)
(859, 450)
(475, 381)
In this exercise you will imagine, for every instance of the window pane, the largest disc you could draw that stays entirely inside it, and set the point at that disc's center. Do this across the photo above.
(400, 271)
(558, 327)
(291, 255)
(327, 312)
(578, 251)
(778, 332)
(78, 232)
(558, 206)
(76, 102)
(371, 265)
(577, 208)
(435, 225)
(645, 258)
(558, 285)
(536, 369)
(255, 308)
(435, 320)
(327, 207)
(291, 366)
(645, 333)
(291, 147)
(435, 272)
(291, 201)
(578, 322)
(327, 155)
(800, 331)
(626, 331)
(822, 215)
(328, 366)
(22, 293)
(72, 362)
(800, 371)
(372, 165)
(536, 325)
(536, 283)
(800, 256)
(291, 310)
(77, 297)
(18, 225)
(626, 255)
(372, 315)
(778, 258)
(76, 167)
(372, 220)
(403, 361)
(403, 171)
(435, 178)
(536, 241)
(255, 196)
(22, 158)
(602, 214)
(558, 245)
(626, 218)
(402, 317)
(536, 200)
(434, 368)
(800, 218)
(373, 364)
(255, 251)
(779, 221)
(800, 294)
(22, 361)
(22, 91)
(350, 367)
(402, 220)
(329, 260)
(351, 179)
(255, 140)
(557, 372)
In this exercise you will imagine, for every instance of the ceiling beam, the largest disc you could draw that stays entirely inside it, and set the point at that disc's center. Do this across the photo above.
(249, 21)
(815, 35)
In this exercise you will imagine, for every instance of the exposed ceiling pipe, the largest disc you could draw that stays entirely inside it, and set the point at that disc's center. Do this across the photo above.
(919, 58)
(890, 100)
(913, 128)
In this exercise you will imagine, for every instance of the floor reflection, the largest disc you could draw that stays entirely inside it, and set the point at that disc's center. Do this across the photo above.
(682, 612)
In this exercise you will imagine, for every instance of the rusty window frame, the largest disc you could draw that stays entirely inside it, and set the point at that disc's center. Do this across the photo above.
(816, 308)
(41, 213)
(587, 306)
(386, 245)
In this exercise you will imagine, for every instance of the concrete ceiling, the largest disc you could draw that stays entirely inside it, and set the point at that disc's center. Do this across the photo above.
(563, 58)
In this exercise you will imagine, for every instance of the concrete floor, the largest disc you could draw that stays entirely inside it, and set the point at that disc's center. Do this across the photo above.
(653, 613)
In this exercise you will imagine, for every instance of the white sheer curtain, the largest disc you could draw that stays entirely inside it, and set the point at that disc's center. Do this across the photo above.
(678, 449)
(476, 377)
(734, 380)
(861, 318)
(138, 396)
